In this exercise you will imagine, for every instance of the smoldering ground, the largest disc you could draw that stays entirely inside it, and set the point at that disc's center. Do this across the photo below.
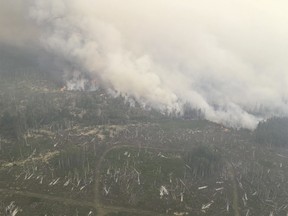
(227, 58)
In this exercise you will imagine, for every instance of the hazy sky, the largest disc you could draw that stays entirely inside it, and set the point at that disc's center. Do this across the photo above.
(227, 57)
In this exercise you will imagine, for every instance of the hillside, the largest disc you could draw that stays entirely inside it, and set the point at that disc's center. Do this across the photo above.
(91, 153)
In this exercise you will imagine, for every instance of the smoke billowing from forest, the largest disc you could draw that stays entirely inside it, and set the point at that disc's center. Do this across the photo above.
(227, 58)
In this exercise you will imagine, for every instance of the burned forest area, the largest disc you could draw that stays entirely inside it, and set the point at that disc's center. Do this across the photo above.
(93, 153)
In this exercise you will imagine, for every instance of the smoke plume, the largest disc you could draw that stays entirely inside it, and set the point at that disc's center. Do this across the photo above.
(227, 58)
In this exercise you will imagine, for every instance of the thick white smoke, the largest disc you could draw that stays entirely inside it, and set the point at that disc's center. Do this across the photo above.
(226, 57)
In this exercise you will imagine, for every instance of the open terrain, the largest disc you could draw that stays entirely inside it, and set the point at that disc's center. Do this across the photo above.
(90, 153)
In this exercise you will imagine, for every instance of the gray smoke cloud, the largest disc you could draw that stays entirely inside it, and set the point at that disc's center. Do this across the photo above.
(227, 58)
(16, 29)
